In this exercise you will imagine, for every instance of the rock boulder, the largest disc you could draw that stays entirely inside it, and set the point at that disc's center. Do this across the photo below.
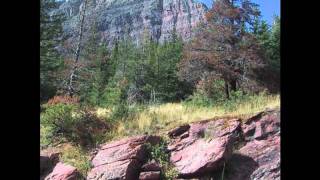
(248, 150)
(121, 159)
(63, 172)
(48, 160)
(204, 147)
(259, 157)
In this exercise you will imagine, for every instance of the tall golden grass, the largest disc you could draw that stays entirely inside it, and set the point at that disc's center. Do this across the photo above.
(158, 119)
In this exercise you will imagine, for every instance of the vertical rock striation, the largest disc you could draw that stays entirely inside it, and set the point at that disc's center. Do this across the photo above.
(120, 19)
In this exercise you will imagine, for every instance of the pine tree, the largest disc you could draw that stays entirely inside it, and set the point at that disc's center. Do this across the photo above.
(50, 38)
(99, 68)
(275, 45)
(261, 30)
(269, 39)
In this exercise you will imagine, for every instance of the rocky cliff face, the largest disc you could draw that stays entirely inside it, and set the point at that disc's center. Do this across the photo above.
(116, 19)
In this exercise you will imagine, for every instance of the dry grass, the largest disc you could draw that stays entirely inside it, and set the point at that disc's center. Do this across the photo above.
(158, 119)
(75, 156)
(102, 112)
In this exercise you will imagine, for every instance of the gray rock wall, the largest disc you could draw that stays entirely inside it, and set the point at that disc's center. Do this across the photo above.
(118, 19)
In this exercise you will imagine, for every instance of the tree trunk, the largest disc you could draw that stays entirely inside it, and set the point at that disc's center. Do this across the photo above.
(82, 16)
(226, 88)
(77, 52)
(233, 85)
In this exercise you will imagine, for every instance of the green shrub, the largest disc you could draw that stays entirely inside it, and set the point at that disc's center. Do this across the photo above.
(201, 99)
(57, 120)
(217, 90)
(170, 173)
(159, 154)
(46, 136)
(120, 111)
(89, 129)
(198, 99)
(124, 111)
(111, 97)
(68, 122)
(207, 94)
(90, 97)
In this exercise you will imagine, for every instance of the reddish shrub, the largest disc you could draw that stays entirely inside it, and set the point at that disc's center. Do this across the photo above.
(64, 100)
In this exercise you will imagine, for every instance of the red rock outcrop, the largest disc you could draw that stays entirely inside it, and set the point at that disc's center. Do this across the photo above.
(48, 160)
(262, 148)
(121, 159)
(203, 147)
(249, 150)
(63, 172)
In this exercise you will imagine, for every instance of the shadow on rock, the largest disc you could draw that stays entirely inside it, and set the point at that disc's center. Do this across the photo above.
(238, 167)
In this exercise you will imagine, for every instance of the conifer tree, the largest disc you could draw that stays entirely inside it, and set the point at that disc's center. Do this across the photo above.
(50, 39)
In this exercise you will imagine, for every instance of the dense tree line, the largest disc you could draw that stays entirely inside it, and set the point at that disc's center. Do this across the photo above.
(234, 51)
(134, 74)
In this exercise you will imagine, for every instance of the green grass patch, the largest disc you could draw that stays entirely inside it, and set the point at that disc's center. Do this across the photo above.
(77, 157)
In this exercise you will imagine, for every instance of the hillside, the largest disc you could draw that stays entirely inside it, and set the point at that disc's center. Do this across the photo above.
(158, 90)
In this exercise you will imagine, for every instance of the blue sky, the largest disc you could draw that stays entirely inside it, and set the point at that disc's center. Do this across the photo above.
(268, 8)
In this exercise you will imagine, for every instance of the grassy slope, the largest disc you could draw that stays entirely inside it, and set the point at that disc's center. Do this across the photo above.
(158, 119)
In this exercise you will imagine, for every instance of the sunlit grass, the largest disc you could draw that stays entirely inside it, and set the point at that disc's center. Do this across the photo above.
(102, 112)
(158, 119)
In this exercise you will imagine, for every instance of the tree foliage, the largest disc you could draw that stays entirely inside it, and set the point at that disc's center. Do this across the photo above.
(150, 70)
(50, 38)
(224, 49)
(233, 51)
(269, 38)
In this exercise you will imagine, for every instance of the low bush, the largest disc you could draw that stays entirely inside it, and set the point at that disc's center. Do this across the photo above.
(120, 111)
(208, 93)
(47, 136)
(90, 129)
(58, 121)
(198, 99)
(63, 100)
(159, 154)
(66, 122)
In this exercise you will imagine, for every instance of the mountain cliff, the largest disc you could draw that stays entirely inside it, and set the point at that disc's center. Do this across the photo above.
(116, 19)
